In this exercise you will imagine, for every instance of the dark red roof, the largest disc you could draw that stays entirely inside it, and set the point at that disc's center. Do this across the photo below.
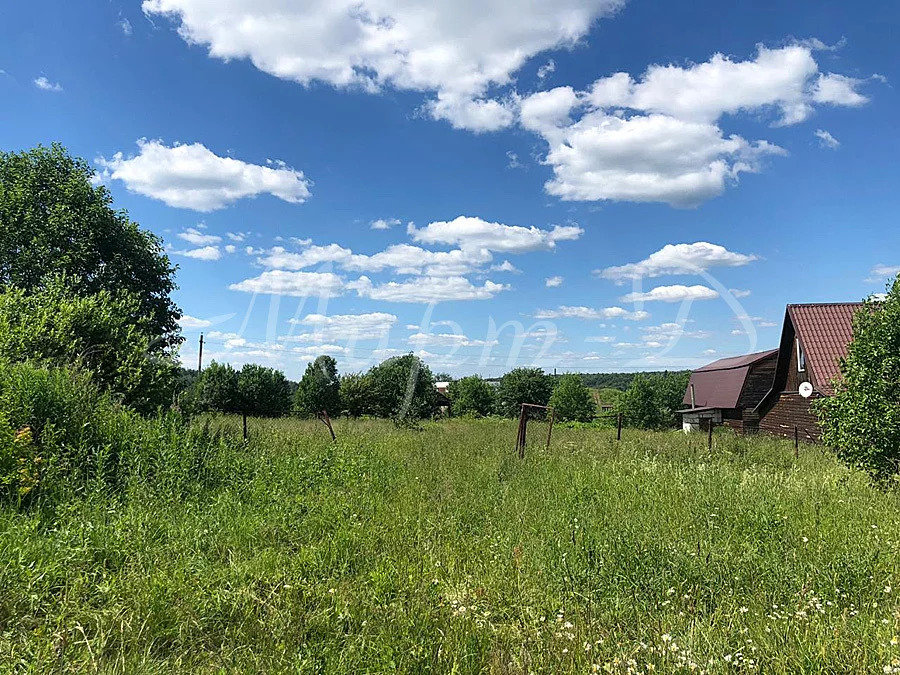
(825, 332)
(720, 384)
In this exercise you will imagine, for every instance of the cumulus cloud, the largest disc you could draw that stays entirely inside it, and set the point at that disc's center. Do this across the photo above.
(678, 259)
(676, 293)
(337, 327)
(194, 236)
(826, 140)
(505, 266)
(207, 253)
(422, 340)
(658, 138)
(426, 289)
(457, 51)
(739, 293)
(188, 322)
(194, 177)
(475, 233)
(882, 273)
(384, 223)
(45, 84)
(581, 312)
(553, 282)
(299, 284)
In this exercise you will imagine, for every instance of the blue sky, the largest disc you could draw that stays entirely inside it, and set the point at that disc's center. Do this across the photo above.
(619, 185)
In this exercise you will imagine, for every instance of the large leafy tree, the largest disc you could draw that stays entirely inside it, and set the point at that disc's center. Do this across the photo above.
(217, 388)
(53, 221)
(263, 391)
(356, 394)
(652, 399)
(572, 400)
(402, 388)
(523, 385)
(320, 388)
(471, 396)
(103, 333)
(862, 420)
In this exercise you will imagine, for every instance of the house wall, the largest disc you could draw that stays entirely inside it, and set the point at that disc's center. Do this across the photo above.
(790, 410)
(758, 383)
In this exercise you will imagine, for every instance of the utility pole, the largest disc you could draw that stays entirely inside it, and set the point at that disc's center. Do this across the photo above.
(200, 358)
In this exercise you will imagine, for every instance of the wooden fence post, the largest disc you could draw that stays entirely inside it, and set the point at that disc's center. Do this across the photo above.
(244, 415)
(550, 428)
(709, 439)
(619, 427)
(520, 438)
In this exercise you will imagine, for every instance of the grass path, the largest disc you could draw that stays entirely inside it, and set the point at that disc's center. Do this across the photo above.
(437, 551)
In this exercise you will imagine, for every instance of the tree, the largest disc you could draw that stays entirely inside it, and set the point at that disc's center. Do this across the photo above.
(652, 399)
(571, 400)
(356, 394)
(54, 221)
(263, 391)
(471, 396)
(523, 385)
(402, 388)
(100, 332)
(320, 388)
(217, 388)
(862, 420)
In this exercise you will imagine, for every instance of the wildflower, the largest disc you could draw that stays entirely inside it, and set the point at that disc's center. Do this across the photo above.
(743, 610)
(887, 589)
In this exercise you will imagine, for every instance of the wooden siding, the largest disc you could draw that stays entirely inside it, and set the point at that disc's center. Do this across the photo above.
(758, 383)
(791, 410)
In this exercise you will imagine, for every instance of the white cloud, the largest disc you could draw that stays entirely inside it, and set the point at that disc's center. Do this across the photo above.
(581, 312)
(126, 27)
(513, 162)
(658, 138)
(299, 284)
(230, 248)
(679, 259)
(194, 236)
(738, 293)
(881, 273)
(45, 84)
(236, 236)
(207, 253)
(553, 282)
(605, 339)
(505, 266)
(676, 293)
(546, 70)
(194, 177)
(422, 340)
(475, 233)
(427, 289)
(188, 322)
(457, 50)
(826, 140)
(384, 223)
(339, 327)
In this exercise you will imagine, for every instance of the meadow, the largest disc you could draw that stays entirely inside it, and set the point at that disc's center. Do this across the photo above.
(436, 550)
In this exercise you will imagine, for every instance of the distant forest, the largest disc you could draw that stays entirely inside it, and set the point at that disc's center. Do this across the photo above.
(620, 381)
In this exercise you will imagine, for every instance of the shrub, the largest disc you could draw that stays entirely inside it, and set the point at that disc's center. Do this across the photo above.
(862, 420)
(652, 399)
(217, 389)
(263, 391)
(402, 388)
(356, 394)
(103, 333)
(61, 435)
(320, 388)
(471, 396)
(523, 385)
(572, 400)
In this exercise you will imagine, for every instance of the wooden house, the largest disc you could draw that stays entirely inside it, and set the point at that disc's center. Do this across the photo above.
(724, 391)
(813, 340)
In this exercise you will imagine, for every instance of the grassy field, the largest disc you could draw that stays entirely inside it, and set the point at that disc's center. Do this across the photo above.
(436, 550)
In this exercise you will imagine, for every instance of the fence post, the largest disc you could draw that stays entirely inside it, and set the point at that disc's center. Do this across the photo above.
(619, 427)
(520, 439)
(244, 415)
(550, 428)
(709, 439)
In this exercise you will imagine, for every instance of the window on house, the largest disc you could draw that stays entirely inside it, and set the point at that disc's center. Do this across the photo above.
(801, 358)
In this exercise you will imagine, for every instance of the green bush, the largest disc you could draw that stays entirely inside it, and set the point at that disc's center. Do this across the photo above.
(572, 400)
(652, 399)
(217, 389)
(471, 396)
(103, 333)
(862, 420)
(523, 385)
(320, 388)
(356, 394)
(402, 388)
(62, 435)
(262, 391)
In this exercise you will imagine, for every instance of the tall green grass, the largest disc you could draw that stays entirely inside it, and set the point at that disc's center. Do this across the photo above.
(438, 551)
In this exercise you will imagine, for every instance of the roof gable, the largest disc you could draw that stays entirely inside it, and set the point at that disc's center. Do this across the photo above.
(721, 383)
(825, 332)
